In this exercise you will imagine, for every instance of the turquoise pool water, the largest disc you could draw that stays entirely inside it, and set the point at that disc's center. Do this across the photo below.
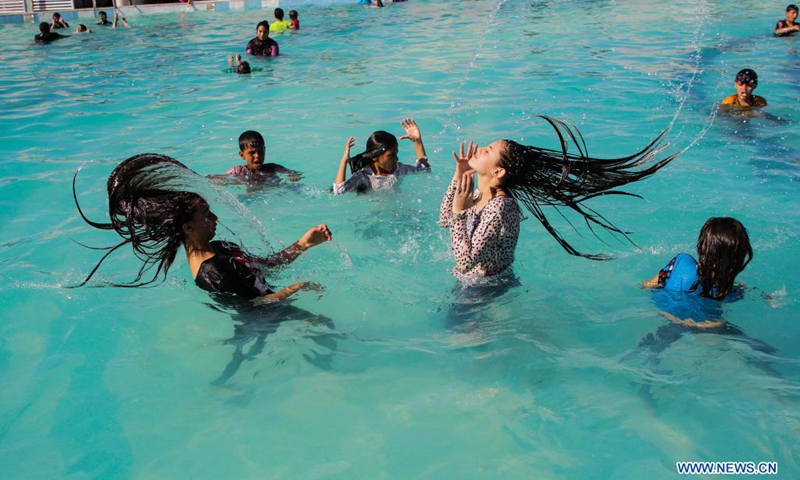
(545, 382)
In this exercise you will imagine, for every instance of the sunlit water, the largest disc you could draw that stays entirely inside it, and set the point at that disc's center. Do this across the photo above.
(411, 380)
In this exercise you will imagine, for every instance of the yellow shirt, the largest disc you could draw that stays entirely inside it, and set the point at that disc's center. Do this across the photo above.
(279, 26)
(734, 100)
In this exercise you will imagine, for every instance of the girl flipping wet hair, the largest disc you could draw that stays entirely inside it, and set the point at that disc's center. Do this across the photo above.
(155, 218)
(484, 223)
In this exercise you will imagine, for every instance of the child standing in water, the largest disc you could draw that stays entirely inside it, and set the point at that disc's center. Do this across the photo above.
(295, 22)
(377, 167)
(252, 150)
(723, 250)
(262, 45)
(279, 25)
(746, 82)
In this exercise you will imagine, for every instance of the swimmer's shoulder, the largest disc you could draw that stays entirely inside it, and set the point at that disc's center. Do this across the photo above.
(729, 100)
(759, 101)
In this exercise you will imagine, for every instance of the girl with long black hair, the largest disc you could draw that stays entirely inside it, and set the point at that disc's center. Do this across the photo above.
(153, 213)
(484, 223)
(377, 167)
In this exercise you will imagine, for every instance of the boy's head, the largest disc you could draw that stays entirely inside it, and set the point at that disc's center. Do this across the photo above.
(102, 15)
(791, 13)
(251, 149)
(243, 68)
(82, 28)
(44, 27)
(56, 17)
(279, 14)
(746, 81)
(293, 14)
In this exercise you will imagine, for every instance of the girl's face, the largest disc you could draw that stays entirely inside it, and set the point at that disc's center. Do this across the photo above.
(486, 160)
(387, 161)
(203, 225)
(262, 33)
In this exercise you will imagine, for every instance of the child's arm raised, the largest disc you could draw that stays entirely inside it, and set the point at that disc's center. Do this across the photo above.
(413, 134)
(343, 165)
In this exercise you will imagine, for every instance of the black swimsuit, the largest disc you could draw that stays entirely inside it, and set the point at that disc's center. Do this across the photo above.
(231, 270)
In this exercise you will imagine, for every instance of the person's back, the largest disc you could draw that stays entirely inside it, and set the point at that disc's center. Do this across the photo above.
(279, 25)
(45, 35)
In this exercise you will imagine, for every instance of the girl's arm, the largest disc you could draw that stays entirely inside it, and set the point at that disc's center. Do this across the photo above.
(313, 237)
(343, 165)
(413, 134)
(652, 283)
(285, 293)
(704, 325)
(462, 167)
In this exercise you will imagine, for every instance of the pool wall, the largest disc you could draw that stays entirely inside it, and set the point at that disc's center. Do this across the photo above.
(136, 10)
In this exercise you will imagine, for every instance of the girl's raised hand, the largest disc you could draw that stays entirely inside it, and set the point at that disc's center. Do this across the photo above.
(347, 146)
(462, 158)
(412, 130)
(464, 199)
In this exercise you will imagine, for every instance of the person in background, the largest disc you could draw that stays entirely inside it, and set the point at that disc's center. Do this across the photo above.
(103, 19)
(83, 29)
(262, 45)
(45, 36)
(58, 22)
(125, 23)
(787, 27)
(295, 22)
(279, 25)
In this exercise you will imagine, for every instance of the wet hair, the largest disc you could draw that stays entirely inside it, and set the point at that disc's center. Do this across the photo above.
(279, 13)
(263, 23)
(242, 68)
(723, 249)
(56, 15)
(102, 14)
(747, 77)
(377, 143)
(791, 8)
(539, 177)
(44, 27)
(147, 211)
(293, 14)
(82, 27)
(250, 138)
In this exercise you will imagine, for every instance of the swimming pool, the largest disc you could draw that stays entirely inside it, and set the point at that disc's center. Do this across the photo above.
(145, 383)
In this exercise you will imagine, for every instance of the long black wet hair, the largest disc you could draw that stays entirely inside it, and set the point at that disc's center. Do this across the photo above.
(723, 249)
(539, 177)
(147, 211)
(377, 144)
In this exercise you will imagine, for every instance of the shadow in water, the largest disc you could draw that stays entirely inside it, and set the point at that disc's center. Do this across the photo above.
(254, 324)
